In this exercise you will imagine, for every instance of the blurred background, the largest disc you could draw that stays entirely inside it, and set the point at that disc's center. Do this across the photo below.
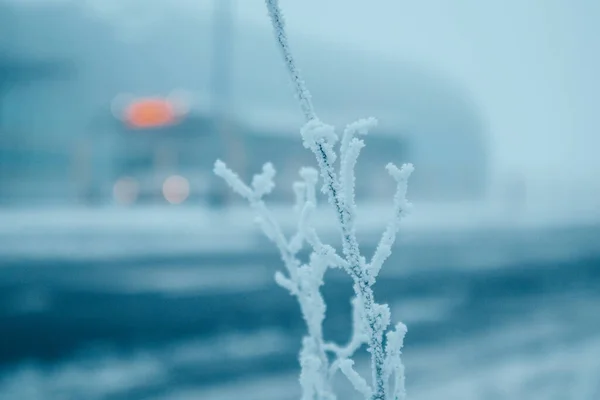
(128, 271)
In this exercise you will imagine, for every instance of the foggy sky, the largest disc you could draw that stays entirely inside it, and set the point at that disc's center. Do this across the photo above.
(532, 65)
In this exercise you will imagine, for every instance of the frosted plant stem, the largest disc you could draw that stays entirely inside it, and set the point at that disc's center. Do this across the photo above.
(356, 265)
(304, 97)
(362, 288)
(303, 281)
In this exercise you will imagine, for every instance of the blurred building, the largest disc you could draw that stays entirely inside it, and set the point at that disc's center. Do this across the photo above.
(88, 114)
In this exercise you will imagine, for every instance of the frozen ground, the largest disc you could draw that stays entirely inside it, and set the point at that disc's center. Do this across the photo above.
(548, 349)
(96, 232)
(210, 326)
(180, 303)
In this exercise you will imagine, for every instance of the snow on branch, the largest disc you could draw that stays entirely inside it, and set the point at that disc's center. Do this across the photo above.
(233, 180)
(349, 151)
(401, 208)
(357, 381)
(304, 280)
(393, 365)
(302, 93)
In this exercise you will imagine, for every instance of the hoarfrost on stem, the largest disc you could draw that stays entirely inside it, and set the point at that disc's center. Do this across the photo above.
(321, 360)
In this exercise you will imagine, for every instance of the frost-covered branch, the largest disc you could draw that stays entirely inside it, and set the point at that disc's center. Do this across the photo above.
(320, 138)
(401, 208)
(357, 381)
(358, 338)
(262, 184)
(302, 93)
(303, 281)
(349, 151)
(371, 320)
(393, 363)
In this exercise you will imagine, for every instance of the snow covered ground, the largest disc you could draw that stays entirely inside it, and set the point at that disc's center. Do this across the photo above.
(548, 350)
(179, 303)
(49, 232)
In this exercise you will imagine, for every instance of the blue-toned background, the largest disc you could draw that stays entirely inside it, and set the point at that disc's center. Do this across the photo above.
(128, 271)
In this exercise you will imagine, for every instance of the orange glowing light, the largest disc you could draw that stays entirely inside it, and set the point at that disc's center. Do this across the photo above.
(150, 113)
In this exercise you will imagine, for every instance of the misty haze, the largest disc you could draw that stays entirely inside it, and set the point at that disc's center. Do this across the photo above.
(130, 270)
